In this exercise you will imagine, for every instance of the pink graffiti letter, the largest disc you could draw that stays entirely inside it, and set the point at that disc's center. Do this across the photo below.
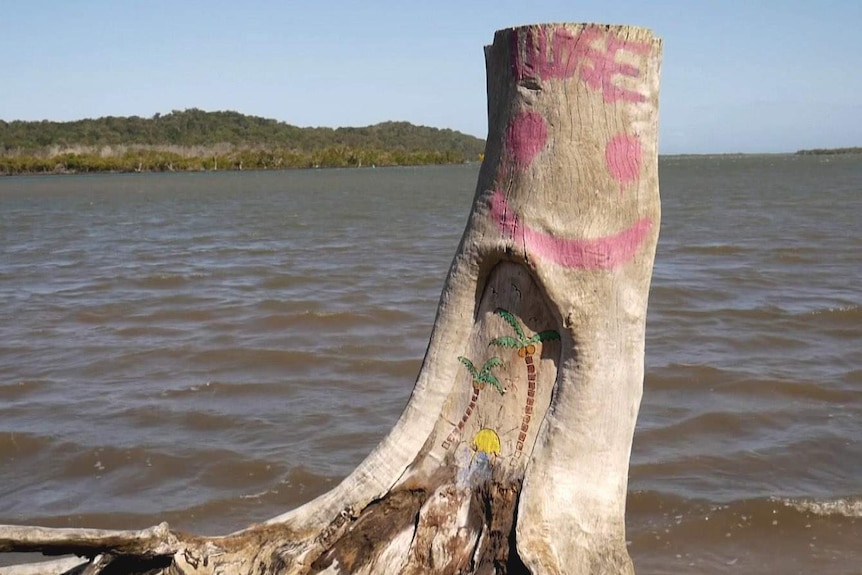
(543, 59)
(601, 66)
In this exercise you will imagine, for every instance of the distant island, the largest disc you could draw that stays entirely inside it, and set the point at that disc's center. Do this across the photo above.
(828, 151)
(196, 140)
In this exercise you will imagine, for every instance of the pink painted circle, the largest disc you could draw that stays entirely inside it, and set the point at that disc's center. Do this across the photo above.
(623, 157)
(526, 137)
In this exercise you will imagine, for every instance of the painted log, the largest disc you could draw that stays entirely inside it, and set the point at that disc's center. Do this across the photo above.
(512, 454)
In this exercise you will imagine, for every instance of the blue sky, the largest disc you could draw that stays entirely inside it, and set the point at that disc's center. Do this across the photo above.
(737, 76)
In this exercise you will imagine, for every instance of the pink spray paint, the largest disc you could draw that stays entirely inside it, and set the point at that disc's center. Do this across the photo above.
(601, 64)
(525, 138)
(541, 59)
(527, 134)
(592, 53)
(602, 253)
(623, 157)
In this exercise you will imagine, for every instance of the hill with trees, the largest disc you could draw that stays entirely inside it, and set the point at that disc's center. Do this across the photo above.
(197, 140)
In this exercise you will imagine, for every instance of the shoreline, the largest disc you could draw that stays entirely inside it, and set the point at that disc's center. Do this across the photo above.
(60, 173)
(198, 165)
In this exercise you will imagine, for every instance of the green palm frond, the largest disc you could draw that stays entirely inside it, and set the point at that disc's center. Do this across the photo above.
(470, 367)
(493, 362)
(548, 335)
(512, 321)
(505, 341)
(488, 378)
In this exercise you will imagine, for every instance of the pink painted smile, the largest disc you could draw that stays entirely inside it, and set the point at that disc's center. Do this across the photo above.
(586, 254)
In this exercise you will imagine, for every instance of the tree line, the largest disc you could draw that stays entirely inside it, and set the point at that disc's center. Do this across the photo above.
(828, 151)
(198, 140)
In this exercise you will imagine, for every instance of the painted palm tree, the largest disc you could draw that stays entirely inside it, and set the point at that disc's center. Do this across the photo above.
(526, 347)
(481, 378)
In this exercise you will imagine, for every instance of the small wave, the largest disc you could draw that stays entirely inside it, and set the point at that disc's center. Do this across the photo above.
(99, 314)
(683, 375)
(794, 256)
(301, 484)
(844, 507)
(838, 314)
(298, 486)
(238, 359)
(179, 314)
(20, 444)
(856, 309)
(226, 390)
(147, 331)
(842, 323)
(207, 423)
(257, 495)
(759, 314)
(231, 470)
(289, 306)
(336, 319)
(112, 314)
(165, 281)
(716, 249)
(853, 376)
(84, 461)
(757, 512)
(129, 469)
(22, 388)
(288, 281)
(718, 424)
(796, 390)
(672, 292)
(397, 368)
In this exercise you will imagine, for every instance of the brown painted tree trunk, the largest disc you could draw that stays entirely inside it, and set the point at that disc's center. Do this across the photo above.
(544, 308)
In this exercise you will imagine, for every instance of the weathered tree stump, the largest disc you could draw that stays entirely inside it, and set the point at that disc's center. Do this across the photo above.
(512, 454)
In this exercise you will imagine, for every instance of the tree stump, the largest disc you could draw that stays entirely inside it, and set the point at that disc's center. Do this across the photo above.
(512, 454)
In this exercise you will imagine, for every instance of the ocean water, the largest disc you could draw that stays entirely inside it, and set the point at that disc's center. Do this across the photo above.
(214, 349)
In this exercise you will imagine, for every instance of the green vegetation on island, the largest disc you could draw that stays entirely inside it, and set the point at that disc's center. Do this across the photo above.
(198, 140)
(828, 151)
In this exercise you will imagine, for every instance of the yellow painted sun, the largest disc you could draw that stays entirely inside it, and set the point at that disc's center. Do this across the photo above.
(487, 441)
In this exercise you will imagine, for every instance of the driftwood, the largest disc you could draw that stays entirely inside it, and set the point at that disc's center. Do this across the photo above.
(512, 454)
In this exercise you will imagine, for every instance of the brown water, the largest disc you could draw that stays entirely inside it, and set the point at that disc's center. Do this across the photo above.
(215, 349)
